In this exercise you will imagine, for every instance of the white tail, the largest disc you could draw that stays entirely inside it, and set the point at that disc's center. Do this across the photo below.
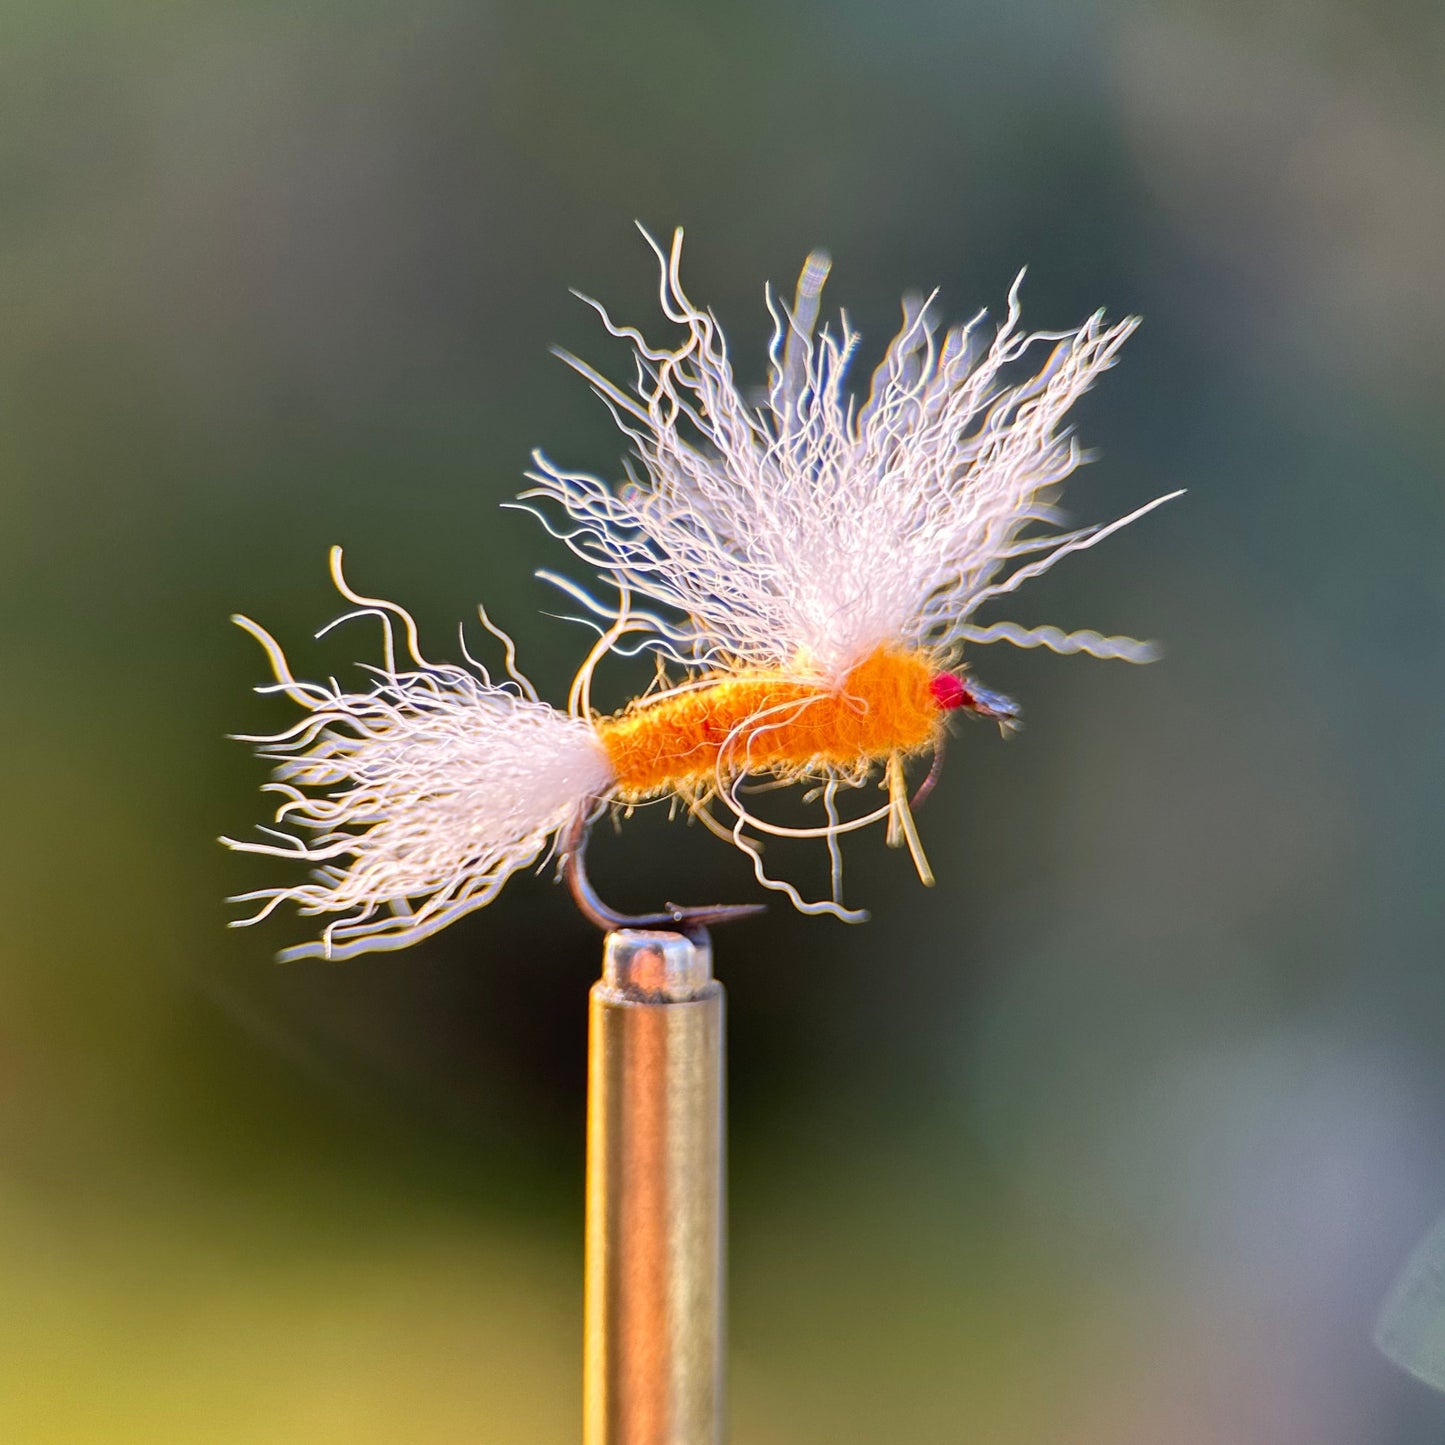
(418, 798)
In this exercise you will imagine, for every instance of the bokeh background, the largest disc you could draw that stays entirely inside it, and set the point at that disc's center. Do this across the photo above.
(1116, 1137)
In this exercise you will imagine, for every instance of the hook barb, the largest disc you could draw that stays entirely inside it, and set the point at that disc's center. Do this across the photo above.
(690, 919)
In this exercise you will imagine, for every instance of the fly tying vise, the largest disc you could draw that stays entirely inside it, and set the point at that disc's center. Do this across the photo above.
(820, 561)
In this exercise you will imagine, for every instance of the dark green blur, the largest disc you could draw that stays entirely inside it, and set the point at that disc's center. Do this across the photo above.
(1118, 1136)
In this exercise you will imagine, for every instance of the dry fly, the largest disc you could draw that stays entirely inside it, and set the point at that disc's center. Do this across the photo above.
(807, 566)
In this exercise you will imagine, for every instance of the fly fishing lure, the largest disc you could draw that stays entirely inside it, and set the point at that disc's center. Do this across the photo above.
(817, 563)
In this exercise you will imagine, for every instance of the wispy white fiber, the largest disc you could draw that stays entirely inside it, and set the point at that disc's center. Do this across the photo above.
(795, 532)
(418, 797)
(806, 531)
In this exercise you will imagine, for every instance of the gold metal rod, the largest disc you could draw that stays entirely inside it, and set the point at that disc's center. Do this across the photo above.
(654, 1347)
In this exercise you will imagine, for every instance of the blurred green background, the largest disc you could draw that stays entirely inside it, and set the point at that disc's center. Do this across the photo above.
(1117, 1136)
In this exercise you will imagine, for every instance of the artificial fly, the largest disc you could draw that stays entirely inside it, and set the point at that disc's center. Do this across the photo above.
(819, 562)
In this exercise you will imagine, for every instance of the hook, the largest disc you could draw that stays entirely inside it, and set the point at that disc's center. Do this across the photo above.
(573, 845)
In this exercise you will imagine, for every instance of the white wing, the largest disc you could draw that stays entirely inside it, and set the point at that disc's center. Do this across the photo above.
(806, 531)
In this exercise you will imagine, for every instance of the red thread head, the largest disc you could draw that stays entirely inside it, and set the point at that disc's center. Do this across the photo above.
(949, 692)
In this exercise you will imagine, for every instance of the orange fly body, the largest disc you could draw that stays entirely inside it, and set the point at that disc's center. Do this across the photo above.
(688, 740)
